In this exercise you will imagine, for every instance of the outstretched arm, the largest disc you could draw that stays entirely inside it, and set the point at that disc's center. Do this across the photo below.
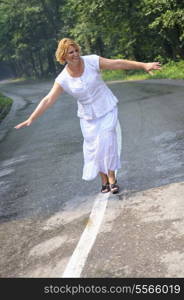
(44, 104)
(123, 64)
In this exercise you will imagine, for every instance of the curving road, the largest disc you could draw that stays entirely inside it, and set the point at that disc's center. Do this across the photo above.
(44, 204)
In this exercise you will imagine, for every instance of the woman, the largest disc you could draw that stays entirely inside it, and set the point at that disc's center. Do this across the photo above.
(97, 108)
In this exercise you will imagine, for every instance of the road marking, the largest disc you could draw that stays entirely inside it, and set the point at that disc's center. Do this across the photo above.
(80, 254)
(88, 237)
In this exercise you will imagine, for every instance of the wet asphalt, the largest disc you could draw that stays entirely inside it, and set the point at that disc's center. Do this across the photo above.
(44, 203)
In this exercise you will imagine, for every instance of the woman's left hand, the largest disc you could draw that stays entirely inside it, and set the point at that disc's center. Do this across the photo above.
(152, 66)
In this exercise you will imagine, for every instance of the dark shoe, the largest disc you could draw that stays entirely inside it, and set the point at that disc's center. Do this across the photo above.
(114, 187)
(105, 188)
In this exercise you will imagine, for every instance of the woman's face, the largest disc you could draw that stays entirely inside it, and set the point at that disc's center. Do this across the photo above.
(72, 55)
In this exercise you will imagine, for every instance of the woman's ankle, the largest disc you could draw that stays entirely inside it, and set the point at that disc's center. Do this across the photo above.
(104, 179)
(111, 177)
(112, 180)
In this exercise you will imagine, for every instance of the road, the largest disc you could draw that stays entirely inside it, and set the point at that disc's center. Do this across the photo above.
(45, 205)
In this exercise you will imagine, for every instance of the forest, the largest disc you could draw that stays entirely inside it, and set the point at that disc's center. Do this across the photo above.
(142, 30)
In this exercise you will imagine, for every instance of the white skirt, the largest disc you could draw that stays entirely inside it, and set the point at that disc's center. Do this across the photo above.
(100, 145)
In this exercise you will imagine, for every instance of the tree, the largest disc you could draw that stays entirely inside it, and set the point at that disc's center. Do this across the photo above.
(167, 19)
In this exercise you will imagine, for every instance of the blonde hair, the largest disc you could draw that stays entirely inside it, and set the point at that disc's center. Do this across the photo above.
(62, 49)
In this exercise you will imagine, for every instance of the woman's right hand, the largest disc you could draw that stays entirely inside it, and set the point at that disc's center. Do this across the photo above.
(45, 103)
(24, 124)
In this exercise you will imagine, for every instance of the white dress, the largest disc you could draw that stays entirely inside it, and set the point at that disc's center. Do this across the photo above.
(97, 110)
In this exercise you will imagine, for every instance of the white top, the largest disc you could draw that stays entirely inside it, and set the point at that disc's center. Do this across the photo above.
(93, 96)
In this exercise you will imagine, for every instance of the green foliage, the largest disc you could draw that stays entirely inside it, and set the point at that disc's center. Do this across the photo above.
(113, 74)
(28, 35)
(167, 19)
(172, 70)
(5, 105)
(143, 30)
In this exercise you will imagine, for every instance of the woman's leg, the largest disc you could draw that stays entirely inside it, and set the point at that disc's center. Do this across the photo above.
(105, 183)
(114, 187)
(111, 177)
(104, 178)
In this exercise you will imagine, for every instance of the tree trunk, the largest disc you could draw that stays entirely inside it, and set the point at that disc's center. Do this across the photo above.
(51, 66)
(33, 64)
(41, 64)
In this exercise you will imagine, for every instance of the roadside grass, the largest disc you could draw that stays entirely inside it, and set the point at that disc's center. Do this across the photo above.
(5, 105)
(171, 70)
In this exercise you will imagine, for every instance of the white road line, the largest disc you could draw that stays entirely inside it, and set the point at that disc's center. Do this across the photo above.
(80, 254)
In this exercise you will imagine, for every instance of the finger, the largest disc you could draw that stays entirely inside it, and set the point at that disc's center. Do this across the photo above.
(158, 65)
(19, 125)
(150, 73)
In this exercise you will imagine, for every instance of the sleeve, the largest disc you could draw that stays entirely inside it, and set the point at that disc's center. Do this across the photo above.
(93, 60)
(59, 79)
